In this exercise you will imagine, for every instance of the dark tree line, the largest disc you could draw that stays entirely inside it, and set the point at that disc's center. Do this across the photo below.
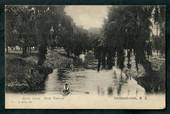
(44, 27)
(128, 29)
(159, 38)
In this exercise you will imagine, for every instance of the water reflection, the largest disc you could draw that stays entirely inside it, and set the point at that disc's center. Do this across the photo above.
(106, 82)
(110, 90)
(61, 76)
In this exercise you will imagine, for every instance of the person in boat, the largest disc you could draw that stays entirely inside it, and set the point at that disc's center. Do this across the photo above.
(66, 90)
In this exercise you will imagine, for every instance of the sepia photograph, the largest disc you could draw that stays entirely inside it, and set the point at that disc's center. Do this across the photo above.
(85, 57)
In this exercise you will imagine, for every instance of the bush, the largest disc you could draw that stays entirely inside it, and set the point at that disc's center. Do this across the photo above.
(154, 81)
(23, 76)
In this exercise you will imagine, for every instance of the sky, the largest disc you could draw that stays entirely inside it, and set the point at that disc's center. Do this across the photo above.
(88, 16)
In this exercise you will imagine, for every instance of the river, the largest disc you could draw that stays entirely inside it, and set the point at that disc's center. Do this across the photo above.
(105, 82)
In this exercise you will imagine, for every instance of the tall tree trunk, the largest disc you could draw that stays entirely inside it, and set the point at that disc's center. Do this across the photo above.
(29, 50)
(24, 51)
(147, 66)
(42, 50)
(109, 60)
(7, 50)
(103, 58)
(42, 53)
(99, 63)
(145, 63)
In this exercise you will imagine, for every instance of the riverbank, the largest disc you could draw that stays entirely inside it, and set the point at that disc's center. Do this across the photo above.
(58, 58)
(155, 81)
(23, 74)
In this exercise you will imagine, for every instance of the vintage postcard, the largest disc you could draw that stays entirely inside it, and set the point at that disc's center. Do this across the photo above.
(85, 57)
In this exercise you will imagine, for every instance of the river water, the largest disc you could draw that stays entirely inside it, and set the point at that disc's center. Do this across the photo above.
(103, 83)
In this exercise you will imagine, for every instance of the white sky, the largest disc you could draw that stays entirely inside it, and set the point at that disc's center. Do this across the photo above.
(87, 16)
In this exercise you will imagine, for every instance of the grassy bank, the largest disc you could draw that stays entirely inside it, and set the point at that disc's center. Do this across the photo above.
(23, 74)
(58, 59)
(154, 82)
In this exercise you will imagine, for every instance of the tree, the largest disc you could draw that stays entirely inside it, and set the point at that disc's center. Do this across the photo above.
(10, 26)
(20, 27)
(128, 28)
(159, 20)
(44, 26)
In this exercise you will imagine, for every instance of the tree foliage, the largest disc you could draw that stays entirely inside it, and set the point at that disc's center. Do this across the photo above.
(159, 20)
(42, 27)
(128, 28)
